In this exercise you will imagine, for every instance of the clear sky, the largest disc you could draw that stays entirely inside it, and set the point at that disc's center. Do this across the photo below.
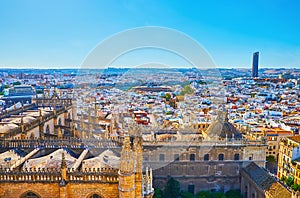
(60, 33)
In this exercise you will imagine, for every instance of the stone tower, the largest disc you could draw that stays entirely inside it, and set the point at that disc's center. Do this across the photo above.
(41, 126)
(132, 183)
(138, 150)
(127, 171)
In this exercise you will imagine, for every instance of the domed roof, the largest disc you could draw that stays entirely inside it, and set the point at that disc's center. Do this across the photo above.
(222, 128)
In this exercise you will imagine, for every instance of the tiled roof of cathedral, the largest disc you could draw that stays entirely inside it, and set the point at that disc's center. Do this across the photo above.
(266, 182)
(52, 160)
(107, 158)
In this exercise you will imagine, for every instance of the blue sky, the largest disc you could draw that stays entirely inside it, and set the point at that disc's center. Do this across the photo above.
(57, 33)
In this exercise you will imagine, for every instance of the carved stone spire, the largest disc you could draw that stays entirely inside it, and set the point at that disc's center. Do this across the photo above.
(138, 150)
(63, 161)
(54, 111)
(63, 169)
(127, 184)
(23, 134)
(148, 189)
(41, 126)
(59, 133)
(127, 158)
(22, 125)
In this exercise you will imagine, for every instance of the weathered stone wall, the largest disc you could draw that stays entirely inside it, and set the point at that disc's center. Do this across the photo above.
(53, 190)
(212, 174)
(81, 190)
(15, 190)
(127, 185)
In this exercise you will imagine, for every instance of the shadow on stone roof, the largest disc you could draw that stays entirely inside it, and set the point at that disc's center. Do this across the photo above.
(266, 182)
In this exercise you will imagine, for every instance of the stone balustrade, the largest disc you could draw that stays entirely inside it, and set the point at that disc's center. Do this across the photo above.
(30, 175)
(103, 175)
(60, 143)
(236, 142)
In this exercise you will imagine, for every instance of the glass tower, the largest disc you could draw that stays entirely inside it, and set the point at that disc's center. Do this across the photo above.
(255, 64)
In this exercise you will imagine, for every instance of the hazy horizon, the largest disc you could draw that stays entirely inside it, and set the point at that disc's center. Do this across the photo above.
(129, 67)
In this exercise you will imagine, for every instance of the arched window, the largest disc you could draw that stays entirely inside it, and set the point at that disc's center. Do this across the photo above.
(47, 129)
(221, 157)
(176, 157)
(236, 156)
(94, 196)
(206, 157)
(29, 195)
(192, 157)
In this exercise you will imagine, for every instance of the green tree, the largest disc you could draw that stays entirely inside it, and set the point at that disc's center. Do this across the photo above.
(168, 96)
(16, 83)
(187, 90)
(296, 187)
(169, 113)
(201, 82)
(234, 194)
(39, 91)
(172, 189)
(283, 178)
(203, 194)
(289, 181)
(218, 195)
(271, 158)
(157, 193)
(185, 194)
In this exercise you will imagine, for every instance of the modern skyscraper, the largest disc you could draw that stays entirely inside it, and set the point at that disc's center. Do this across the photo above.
(255, 64)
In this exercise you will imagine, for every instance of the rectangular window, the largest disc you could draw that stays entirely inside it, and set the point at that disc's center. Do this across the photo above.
(221, 157)
(176, 157)
(192, 157)
(206, 157)
(161, 157)
(237, 156)
(191, 188)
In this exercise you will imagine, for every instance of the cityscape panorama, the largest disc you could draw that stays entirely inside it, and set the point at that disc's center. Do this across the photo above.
(149, 99)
